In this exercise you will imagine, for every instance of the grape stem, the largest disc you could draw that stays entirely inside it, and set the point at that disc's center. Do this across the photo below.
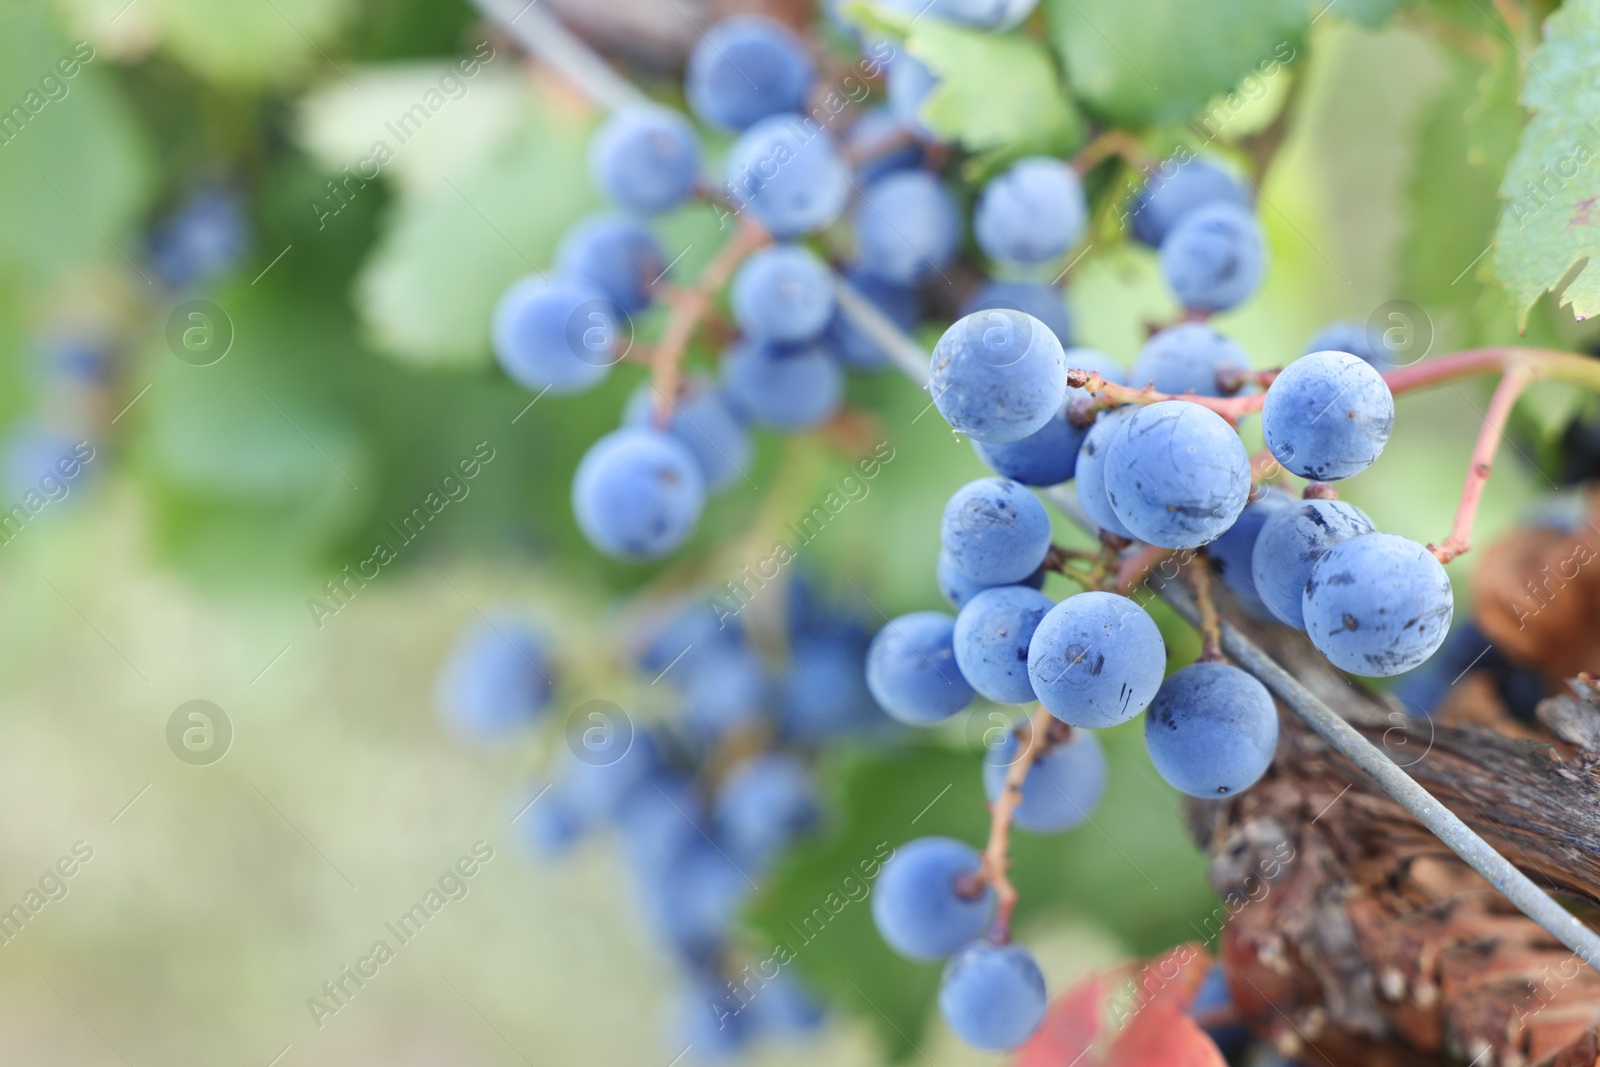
(1519, 367)
(689, 308)
(997, 853)
(1199, 571)
(1108, 143)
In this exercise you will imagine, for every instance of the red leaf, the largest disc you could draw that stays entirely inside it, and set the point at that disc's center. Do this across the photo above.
(1171, 981)
(1069, 1028)
(1160, 1036)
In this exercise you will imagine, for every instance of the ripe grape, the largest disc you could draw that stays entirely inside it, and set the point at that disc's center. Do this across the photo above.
(724, 689)
(1378, 605)
(788, 387)
(1041, 301)
(702, 420)
(1348, 335)
(996, 531)
(991, 641)
(1231, 553)
(918, 903)
(1032, 213)
(1049, 456)
(551, 826)
(824, 691)
(877, 141)
(1096, 660)
(1289, 545)
(1186, 358)
(616, 255)
(646, 158)
(1327, 416)
(558, 334)
(762, 805)
(958, 589)
(1063, 784)
(787, 171)
(1090, 472)
(696, 900)
(998, 376)
(906, 226)
(912, 672)
(494, 681)
(899, 305)
(1212, 730)
(1213, 259)
(1176, 191)
(637, 494)
(1177, 474)
(992, 996)
(783, 294)
(745, 69)
(909, 84)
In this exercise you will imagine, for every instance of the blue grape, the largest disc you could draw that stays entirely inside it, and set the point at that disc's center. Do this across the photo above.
(899, 305)
(1186, 358)
(1212, 730)
(637, 494)
(496, 680)
(998, 376)
(707, 1019)
(1176, 191)
(906, 226)
(909, 85)
(783, 1006)
(205, 237)
(1231, 553)
(1063, 785)
(992, 996)
(1213, 260)
(745, 69)
(919, 905)
(1378, 605)
(661, 822)
(1327, 416)
(1042, 301)
(696, 900)
(762, 805)
(1032, 213)
(1358, 339)
(550, 824)
(725, 689)
(912, 672)
(958, 589)
(602, 783)
(646, 158)
(787, 387)
(787, 171)
(783, 294)
(996, 531)
(1466, 648)
(1177, 474)
(877, 140)
(36, 458)
(825, 690)
(991, 641)
(704, 423)
(1049, 456)
(617, 256)
(1289, 545)
(559, 335)
(1090, 472)
(1096, 660)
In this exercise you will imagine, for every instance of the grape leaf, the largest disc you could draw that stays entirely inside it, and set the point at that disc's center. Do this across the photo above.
(1069, 1029)
(1550, 227)
(995, 90)
(1369, 13)
(1143, 62)
(1161, 1036)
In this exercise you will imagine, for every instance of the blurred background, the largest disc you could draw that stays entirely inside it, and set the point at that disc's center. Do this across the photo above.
(263, 363)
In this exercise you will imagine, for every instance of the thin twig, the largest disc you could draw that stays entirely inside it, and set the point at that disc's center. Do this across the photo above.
(1517, 378)
(1199, 570)
(997, 854)
(1108, 143)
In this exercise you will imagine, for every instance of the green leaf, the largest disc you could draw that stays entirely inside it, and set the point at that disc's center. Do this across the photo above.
(1550, 228)
(996, 91)
(1133, 871)
(1369, 13)
(73, 174)
(1143, 62)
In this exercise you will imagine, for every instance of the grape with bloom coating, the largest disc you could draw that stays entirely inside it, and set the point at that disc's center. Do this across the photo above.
(1378, 605)
(1212, 730)
(906, 226)
(1177, 189)
(495, 680)
(1177, 475)
(991, 641)
(1043, 302)
(745, 69)
(998, 375)
(1233, 551)
(992, 996)
(1327, 416)
(559, 334)
(646, 158)
(1096, 660)
(1090, 472)
(783, 294)
(787, 387)
(1289, 545)
(1187, 358)
(919, 905)
(958, 588)
(996, 531)
(788, 175)
(1032, 213)
(703, 421)
(616, 255)
(1063, 785)
(1214, 258)
(912, 672)
(637, 494)
(1049, 455)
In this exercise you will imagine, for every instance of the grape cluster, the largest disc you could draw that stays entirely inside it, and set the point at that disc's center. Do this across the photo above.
(703, 804)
